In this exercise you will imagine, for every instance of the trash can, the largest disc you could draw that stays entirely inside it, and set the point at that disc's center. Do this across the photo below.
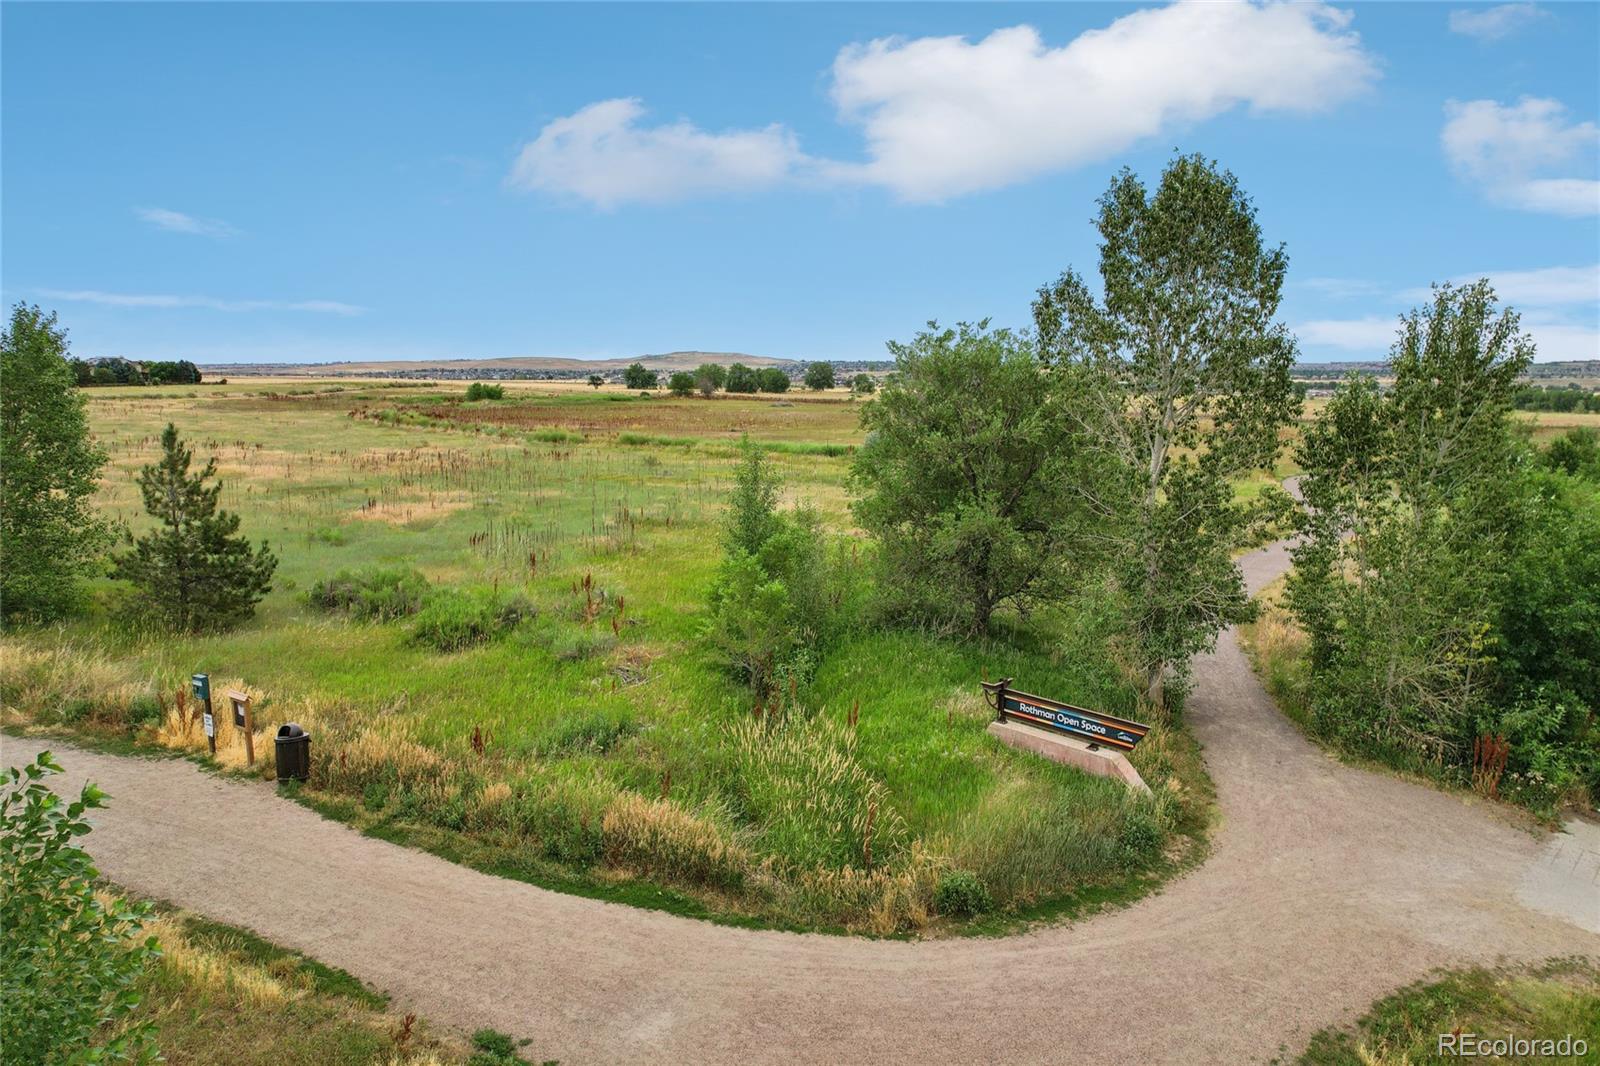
(293, 752)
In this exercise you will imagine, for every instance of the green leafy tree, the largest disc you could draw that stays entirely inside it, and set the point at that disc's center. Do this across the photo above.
(1413, 497)
(481, 391)
(49, 535)
(740, 379)
(968, 478)
(1181, 381)
(819, 376)
(709, 378)
(70, 961)
(864, 385)
(637, 377)
(771, 379)
(595, 381)
(681, 383)
(1577, 452)
(193, 571)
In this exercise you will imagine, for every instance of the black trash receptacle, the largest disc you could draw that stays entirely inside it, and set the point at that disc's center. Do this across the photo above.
(293, 753)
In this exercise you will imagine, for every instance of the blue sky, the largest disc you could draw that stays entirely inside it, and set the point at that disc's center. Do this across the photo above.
(297, 182)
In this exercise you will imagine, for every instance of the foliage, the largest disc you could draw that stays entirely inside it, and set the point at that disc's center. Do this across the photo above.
(480, 391)
(1577, 453)
(1180, 379)
(819, 376)
(595, 381)
(72, 960)
(968, 479)
(775, 603)
(1448, 588)
(49, 535)
(741, 379)
(864, 385)
(378, 594)
(453, 619)
(118, 371)
(1559, 998)
(961, 895)
(193, 571)
(1555, 398)
(771, 379)
(637, 377)
(681, 383)
(709, 378)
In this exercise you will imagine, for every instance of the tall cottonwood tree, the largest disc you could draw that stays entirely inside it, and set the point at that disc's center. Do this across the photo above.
(193, 571)
(49, 535)
(1180, 379)
(1412, 505)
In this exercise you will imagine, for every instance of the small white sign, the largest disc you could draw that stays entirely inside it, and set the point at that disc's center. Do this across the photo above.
(210, 724)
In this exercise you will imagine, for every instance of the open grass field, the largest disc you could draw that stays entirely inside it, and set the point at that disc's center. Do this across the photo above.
(597, 745)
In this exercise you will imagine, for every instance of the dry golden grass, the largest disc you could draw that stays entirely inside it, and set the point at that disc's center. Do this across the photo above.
(661, 838)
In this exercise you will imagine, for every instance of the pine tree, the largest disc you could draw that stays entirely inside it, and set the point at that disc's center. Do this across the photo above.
(193, 571)
(48, 469)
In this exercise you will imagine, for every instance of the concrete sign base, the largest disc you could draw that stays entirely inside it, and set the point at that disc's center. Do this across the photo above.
(1071, 751)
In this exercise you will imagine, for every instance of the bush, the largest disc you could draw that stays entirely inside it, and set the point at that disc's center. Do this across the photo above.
(378, 595)
(454, 619)
(774, 604)
(479, 391)
(681, 383)
(70, 961)
(961, 895)
(771, 379)
(661, 838)
(597, 731)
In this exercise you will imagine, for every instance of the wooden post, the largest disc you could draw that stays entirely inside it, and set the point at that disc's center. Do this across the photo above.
(244, 719)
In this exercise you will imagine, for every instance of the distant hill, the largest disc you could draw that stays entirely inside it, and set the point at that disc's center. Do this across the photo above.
(515, 367)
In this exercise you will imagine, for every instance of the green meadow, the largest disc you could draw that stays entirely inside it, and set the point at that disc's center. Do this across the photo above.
(593, 741)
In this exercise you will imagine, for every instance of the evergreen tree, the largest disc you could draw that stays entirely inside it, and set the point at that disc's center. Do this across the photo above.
(49, 536)
(193, 571)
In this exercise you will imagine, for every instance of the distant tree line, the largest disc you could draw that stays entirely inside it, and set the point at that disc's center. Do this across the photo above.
(114, 370)
(1561, 398)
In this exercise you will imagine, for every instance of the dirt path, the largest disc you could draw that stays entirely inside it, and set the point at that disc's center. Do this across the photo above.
(1328, 887)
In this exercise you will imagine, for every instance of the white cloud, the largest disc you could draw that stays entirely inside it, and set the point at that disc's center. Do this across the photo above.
(1505, 149)
(1493, 23)
(211, 303)
(1546, 287)
(1560, 309)
(1371, 334)
(178, 222)
(603, 155)
(1342, 288)
(944, 116)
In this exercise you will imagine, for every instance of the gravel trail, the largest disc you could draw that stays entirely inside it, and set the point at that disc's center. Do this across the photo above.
(1328, 886)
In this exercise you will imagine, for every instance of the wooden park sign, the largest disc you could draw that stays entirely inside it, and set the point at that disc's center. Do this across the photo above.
(1090, 740)
(1093, 726)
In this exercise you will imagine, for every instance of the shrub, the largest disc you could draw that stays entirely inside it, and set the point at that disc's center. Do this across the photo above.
(597, 731)
(814, 804)
(638, 378)
(681, 383)
(661, 838)
(479, 391)
(775, 600)
(771, 379)
(454, 619)
(70, 961)
(961, 895)
(565, 818)
(378, 595)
